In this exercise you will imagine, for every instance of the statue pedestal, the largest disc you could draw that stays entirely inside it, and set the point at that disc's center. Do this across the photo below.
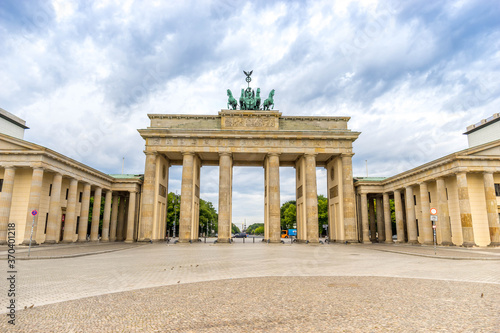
(250, 119)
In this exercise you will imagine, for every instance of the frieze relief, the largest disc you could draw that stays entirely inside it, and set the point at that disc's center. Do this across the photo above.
(250, 122)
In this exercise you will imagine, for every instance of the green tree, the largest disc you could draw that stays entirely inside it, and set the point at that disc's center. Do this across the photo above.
(208, 214)
(259, 230)
(322, 213)
(288, 214)
(251, 228)
(235, 229)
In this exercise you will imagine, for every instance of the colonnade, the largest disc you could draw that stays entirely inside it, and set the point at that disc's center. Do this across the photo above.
(409, 229)
(62, 216)
(306, 197)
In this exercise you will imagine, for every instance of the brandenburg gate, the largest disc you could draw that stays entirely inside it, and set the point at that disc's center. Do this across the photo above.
(251, 136)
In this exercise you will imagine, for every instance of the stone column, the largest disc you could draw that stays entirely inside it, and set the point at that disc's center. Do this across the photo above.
(387, 218)
(373, 227)
(114, 218)
(121, 219)
(96, 215)
(491, 208)
(398, 206)
(187, 191)
(465, 211)
(364, 218)
(131, 216)
(54, 210)
(84, 214)
(33, 204)
(224, 198)
(274, 199)
(148, 199)
(410, 216)
(105, 218)
(6, 202)
(311, 199)
(443, 223)
(426, 223)
(349, 198)
(380, 220)
(70, 222)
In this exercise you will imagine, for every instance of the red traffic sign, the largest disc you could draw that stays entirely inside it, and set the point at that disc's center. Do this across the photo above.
(434, 226)
(34, 212)
(434, 211)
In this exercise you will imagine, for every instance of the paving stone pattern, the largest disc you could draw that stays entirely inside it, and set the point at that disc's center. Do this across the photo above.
(235, 287)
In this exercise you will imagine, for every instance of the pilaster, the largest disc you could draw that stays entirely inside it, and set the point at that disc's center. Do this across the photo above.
(34, 204)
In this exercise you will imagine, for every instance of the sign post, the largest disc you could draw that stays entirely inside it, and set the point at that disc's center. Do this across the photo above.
(434, 219)
(33, 212)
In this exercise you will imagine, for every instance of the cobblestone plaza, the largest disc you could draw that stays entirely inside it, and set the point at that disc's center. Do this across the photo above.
(256, 287)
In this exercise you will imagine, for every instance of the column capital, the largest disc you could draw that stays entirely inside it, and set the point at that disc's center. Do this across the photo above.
(147, 152)
(347, 155)
(487, 172)
(225, 153)
(310, 154)
(460, 172)
(424, 182)
(274, 154)
(187, 153)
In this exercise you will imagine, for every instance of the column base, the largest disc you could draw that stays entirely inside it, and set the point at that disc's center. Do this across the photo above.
(82, 241)
(389, 242)
(50, 242)
(429, 243)
(223, 240)
(66, 241)
(129, 241)
(27, 243)
(367, 242)
(493, 244)
(413, 242)
(469, 244)
(104, 240)
(446, 244)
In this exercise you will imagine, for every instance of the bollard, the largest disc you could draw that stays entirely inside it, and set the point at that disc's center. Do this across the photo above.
(254, 240)
(244, 240)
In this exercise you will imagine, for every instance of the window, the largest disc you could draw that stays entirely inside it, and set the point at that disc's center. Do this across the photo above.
(77, 223)
(67, 192)
(446, 193)
(415, 200)
(80, 199)
(429, 197)
(1, 184)
(50, 190)
(46, 221)
(497, 190)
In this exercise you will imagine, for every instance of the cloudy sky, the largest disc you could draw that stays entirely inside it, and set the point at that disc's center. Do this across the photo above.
(411, 75)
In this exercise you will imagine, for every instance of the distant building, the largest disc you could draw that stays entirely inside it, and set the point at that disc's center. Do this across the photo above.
(12, 125)
(485, 131)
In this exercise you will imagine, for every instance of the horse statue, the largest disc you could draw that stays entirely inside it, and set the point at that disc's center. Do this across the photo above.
(231, 102)
(269, 102)
(257, 100)
(242, 99)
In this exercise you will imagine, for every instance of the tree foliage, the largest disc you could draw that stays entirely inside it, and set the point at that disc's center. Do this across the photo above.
(259, 230)
(322, 213)
(235, 229)
(288, 213)
(208, 214)
(251, 228)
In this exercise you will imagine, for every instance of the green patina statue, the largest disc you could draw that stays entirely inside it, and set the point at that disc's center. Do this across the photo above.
(269, 101)
(249, 100)
(231, 102)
